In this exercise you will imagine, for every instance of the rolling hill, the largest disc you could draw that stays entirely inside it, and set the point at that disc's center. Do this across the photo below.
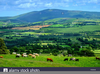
(47, 14)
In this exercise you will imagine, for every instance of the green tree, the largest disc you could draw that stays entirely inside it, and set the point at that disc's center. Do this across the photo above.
(15, 49)
(22, 49)
(86, 52)
(3, 48)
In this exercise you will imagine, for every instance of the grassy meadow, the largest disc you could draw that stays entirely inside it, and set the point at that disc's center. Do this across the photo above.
(10, 60)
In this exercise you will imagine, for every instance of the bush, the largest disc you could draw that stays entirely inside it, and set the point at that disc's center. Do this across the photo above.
(50, 53)
(64, 53)
(55, 54)
(86, 52)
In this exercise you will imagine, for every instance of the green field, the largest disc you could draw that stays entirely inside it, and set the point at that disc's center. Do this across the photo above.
(41, 61)
(73, 29)
(97, 51)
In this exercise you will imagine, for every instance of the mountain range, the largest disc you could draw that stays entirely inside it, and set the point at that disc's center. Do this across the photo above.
(47, 14)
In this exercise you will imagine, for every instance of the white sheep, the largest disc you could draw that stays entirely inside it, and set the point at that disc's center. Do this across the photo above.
(18, 54)
(14, 53)
(33, 56)
(34, 53)
(25, 55)
(72, 59)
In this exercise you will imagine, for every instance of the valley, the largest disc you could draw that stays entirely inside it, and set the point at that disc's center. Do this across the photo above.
(74, 34)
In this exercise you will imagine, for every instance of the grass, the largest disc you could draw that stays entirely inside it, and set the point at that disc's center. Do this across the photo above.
(12, 61)
(73, 29)
(27, 33)
(97, 51)
(65, 45)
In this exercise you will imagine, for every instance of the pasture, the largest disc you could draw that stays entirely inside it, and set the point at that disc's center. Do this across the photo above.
(72, 29)
(10, 60)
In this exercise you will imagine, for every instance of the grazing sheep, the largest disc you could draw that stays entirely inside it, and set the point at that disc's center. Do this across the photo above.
(33, 56)
(17, 56)
(66, 59)
(30, 54)
(14, 53)
(97, 58)
(72, 59)
(76, 59)
(49, 59)
(69, 54)
(25, 55)
(1, 56)
(36, 54)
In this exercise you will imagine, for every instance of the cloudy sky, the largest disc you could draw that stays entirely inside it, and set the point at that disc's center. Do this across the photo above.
(16, 7)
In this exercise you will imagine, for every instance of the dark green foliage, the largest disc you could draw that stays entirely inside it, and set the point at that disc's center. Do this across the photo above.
(15, 49)
(86, 52)
(64, 53)
(3, 48)
(54, 53)
(69, 51)
(28, 51)
(22, 49)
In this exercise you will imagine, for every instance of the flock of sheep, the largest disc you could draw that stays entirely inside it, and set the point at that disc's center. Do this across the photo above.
(25, 55)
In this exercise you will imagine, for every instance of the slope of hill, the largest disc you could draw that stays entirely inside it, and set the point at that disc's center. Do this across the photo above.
(47, 14)
(56, 13)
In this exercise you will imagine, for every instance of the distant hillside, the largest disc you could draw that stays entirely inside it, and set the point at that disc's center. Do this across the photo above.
(2, 18)
(47, 14)
(56, 13)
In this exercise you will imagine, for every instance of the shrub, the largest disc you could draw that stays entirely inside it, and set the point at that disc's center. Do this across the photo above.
(86, 52)
(64, 53)
(50, 53)
(55, 54)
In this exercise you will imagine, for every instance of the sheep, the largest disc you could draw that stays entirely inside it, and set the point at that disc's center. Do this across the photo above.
(30, 54)
(66, 59)
(36, 54)
(33, 56)
(1, 56)
(69, 55)
(33, 53)
(76, 59)
(14, 53)
(72, 59)
(18, 54)
(25, 55)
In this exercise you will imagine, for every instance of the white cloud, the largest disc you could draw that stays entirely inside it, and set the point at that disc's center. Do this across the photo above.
(48, 4)
(24, 1)
(27, 5)
(17, 2)
(93, 1)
